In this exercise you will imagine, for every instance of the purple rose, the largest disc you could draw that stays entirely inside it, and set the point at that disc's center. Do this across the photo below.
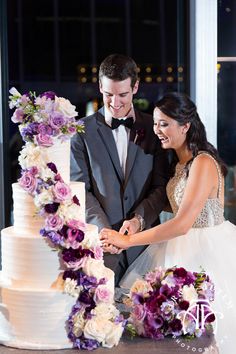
(45, 129)
(76, 224)
(61, 191)
(139, 312)
(180, 272)
(28, 182)
(53, 222)
(44, 140)
(57, 120)
(102, 294)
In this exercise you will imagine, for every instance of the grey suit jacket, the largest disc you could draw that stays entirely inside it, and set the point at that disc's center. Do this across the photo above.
(112, 197)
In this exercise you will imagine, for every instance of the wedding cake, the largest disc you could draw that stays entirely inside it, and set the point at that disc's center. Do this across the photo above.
(36, 299)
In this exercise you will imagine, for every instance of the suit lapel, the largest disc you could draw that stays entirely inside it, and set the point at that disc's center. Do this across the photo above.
(133, 147)
(107, 138)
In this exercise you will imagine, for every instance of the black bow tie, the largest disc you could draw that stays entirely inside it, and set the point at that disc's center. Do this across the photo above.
(116, 122)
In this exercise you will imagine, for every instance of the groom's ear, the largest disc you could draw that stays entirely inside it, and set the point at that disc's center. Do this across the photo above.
(100, 86)
(135, 88)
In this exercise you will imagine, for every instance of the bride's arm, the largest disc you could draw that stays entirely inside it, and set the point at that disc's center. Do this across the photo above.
(202, 181)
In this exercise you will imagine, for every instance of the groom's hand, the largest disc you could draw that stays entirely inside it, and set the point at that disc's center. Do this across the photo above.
(130, 227)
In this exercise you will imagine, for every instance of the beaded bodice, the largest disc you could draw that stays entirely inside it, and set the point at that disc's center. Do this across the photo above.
(213, 212)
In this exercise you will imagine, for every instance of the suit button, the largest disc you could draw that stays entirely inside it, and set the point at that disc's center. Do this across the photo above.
(126, 198)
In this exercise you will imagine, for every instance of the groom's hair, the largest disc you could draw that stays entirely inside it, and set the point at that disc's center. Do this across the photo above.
(119, 67)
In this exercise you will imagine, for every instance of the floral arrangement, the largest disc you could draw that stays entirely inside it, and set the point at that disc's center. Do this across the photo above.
(43, 121)
(171, 302)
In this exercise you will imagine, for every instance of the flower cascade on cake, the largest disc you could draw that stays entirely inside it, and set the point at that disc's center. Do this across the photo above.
(45, 120)
(172, 302)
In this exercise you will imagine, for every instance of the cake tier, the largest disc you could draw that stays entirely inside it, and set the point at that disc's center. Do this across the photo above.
(30, 261)
(26, 221)
(59, 154)
(34, 319)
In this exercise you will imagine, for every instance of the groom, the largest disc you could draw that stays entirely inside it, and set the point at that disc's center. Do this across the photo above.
(120, 160)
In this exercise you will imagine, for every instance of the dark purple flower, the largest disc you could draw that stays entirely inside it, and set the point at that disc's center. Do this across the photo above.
(52, 167)
(76, 200)
(75, 235)
(70, 274)
(86, 298)
(48, 94)
(180, 272)
(184, 305)
(72, 255)
(51, 208)
(140, 135)
(176, 326)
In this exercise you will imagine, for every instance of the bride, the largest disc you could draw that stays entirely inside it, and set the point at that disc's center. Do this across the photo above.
(198, 235)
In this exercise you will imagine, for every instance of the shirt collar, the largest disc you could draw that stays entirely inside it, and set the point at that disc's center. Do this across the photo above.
(108, 116)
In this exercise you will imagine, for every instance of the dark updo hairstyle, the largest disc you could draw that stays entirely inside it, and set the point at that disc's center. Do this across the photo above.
(179, 107)
(119, 67)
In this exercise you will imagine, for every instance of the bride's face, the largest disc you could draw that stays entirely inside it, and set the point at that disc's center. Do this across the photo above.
(171, 134)
(117, 95)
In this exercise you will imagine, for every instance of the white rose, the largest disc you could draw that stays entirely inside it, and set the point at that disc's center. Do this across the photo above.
(31, 155)
(113, 334)
(94, 268)
(95, 329)
(65, 107)
(105, 311)
(189, 293)
(44, 197)
(91, 240)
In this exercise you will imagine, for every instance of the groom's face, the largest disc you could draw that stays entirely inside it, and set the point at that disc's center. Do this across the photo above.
(117, 95)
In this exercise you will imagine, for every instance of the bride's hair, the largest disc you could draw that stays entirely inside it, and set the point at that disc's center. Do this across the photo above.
(182, 109)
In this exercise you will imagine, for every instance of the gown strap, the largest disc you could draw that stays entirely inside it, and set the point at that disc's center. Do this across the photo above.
(218, 171)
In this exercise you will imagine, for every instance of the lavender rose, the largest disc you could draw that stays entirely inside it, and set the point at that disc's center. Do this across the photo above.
(61, 191)
(53, 222)
(28, 182)
(44, 140)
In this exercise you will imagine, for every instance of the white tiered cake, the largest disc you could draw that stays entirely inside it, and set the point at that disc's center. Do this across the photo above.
(33, 307)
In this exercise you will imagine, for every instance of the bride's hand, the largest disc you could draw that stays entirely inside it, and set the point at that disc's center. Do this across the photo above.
(111, 249)
(112, 237)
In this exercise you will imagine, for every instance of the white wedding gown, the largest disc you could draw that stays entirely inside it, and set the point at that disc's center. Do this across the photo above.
(210, 244)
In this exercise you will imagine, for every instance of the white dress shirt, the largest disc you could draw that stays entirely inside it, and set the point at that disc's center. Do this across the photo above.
(121, 136)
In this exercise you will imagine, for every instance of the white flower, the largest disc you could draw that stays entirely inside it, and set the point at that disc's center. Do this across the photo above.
(140, 287)
(65, 107)
(31, 155)
(95, 268)
(13, 91)
(105, 311)
(96, 329)
(189, 293)
(46, 174)
(68, 211)
(71, 288)
(44, 197)
(113, 334)
(79, 323)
